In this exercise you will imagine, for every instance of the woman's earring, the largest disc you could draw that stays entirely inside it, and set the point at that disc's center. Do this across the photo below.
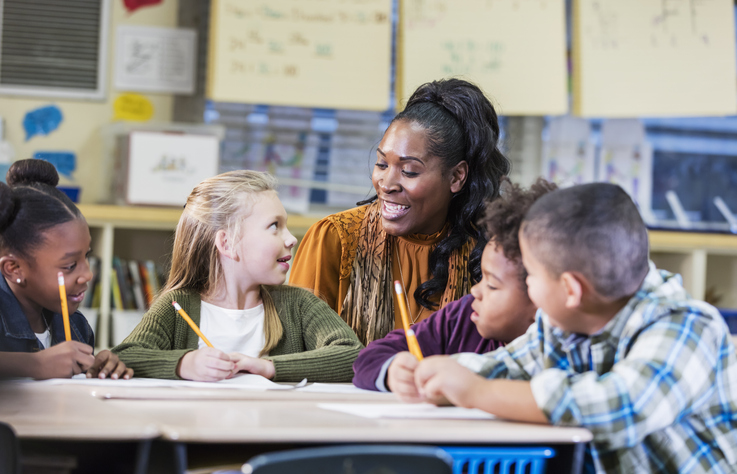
(17, 280)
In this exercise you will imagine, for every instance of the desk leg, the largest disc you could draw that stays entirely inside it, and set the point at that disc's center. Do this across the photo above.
(161, 457)
(579, 450)
(142, 456)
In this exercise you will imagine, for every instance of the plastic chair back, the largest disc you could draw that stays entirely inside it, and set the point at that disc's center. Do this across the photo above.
(357, 459)
(509, 460)
(9, 450)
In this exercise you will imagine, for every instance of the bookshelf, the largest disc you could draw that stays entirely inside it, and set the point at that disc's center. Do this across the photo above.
(140, 233)
(706, 261)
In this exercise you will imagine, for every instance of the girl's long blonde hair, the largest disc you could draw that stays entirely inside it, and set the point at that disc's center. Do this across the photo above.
(216, 204)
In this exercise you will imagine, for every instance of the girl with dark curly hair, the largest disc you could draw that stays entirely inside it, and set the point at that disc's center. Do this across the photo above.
(437, 163)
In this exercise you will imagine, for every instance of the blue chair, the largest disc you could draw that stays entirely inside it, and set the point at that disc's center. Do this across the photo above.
(510, 460)
(9, 450)
(356, 459)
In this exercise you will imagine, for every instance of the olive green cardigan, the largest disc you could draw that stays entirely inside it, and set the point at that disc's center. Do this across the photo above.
(316, 344)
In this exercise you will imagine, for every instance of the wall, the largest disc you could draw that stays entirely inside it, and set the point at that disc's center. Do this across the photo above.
(80, 132)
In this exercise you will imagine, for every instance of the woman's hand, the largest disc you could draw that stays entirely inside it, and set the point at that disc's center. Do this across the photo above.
(252, 365)
(63, 360)
(206, 365)
(400, 377)
(108, 364)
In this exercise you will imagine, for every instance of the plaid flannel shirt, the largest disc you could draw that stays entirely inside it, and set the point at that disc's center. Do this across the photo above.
(657, 386)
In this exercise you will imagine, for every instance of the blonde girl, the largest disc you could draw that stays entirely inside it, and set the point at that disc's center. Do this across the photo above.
(231, 256)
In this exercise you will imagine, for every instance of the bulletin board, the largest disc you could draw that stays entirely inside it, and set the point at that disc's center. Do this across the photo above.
(307, 53)
(654, 58)
(515, 50)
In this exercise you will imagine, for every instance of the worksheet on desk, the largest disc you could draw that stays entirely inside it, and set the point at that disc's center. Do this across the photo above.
(243, 381)
(407, 410)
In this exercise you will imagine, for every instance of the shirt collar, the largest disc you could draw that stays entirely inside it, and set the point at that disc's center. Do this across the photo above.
(612, 330)
(13, 318)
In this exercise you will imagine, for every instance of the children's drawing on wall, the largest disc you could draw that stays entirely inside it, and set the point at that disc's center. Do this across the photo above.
(568, 154)
(292, 164)
(287, 154)
(626, 158)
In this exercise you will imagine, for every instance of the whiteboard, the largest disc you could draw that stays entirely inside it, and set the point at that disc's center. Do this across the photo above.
(307, 53)
(515, 50)
(654, 58)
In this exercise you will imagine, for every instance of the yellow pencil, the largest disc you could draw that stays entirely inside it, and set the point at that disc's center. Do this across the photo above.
(64, 307)
(191, 323)
(412, 344)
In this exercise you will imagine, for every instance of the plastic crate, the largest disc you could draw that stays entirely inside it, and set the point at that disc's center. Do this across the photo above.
(499, 460)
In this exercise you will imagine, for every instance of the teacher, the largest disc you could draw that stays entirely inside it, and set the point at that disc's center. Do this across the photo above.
(436, 165)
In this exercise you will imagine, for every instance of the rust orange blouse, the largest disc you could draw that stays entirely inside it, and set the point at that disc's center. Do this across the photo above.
(317, 266)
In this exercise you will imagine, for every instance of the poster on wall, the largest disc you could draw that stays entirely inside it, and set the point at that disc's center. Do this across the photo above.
(151, 59)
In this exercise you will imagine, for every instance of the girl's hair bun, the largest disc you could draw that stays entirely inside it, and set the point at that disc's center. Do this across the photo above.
(7, 207)
(32, 171)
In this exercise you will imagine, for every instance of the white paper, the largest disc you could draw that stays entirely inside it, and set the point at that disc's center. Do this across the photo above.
(402, 410)
(333, 388)
(243, 381)
(150, 59)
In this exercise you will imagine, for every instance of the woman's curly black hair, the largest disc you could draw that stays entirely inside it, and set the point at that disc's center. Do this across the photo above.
(460, 125)
(503, 217)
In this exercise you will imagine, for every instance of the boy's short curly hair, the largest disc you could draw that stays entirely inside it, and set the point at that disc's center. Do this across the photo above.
(503, 216)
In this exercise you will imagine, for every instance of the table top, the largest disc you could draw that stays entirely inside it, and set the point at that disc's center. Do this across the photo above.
(37, 410)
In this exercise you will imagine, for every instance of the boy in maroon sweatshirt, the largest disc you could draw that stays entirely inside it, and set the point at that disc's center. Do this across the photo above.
(497, 311)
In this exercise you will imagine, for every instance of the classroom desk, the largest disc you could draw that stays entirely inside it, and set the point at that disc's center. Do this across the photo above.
(175, 431)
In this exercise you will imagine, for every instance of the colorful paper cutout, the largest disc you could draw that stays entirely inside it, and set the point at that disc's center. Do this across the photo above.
(133, 107)
(64, 161)
(42, 121)
(133, 5)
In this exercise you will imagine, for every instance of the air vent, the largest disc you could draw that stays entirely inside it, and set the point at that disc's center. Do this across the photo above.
(53, 48)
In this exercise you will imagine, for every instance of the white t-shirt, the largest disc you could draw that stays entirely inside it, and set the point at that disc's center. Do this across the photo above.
(233, 330)
(45, 338)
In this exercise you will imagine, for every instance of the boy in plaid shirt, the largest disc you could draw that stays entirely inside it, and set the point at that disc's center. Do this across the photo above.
(618, 346)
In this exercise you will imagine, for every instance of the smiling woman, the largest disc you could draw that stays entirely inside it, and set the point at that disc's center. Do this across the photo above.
(436, 165)
(43, 235)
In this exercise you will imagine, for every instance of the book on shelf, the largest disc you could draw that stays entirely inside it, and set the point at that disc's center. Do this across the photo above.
(115, 288)
(135, 283)
(89, 296)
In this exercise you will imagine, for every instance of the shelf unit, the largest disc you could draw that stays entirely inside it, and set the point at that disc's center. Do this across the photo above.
(706, 261)
(140, 233)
